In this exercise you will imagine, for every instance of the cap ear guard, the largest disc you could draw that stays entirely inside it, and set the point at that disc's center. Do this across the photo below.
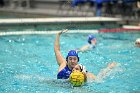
(89, 41)
(83, 68)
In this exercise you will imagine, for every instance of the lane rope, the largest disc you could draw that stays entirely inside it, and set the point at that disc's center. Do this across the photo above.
(71, 31)
(119, 30)
(44, 32)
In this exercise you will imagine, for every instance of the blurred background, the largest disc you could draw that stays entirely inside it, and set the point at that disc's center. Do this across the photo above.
(126, 9)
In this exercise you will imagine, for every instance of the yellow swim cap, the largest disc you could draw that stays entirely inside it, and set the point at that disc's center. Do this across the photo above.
(77, 78)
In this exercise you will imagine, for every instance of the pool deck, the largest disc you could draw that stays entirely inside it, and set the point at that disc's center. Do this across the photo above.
(60, 19)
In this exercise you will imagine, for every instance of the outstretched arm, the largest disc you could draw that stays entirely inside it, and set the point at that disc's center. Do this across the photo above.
(84, 48)
(104, 72)
(90, 76)
(60, 59)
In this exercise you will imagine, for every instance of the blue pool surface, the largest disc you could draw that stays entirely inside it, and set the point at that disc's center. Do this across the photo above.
(28, 64)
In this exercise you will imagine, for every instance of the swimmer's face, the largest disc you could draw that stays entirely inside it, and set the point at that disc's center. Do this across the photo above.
(77, 68)
(93, 41)
(72, 61)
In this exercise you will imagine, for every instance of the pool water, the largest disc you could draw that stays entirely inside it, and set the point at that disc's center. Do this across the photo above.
(28, 64)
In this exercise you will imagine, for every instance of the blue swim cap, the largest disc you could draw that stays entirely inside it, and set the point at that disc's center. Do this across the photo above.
(72, 53)
(90, 37)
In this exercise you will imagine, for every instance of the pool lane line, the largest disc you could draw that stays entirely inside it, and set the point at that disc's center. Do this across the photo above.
(131, 27)
(44, 32)
(58, 20)
(71, 31)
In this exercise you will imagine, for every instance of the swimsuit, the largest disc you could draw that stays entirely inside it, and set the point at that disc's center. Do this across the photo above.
(64, 73)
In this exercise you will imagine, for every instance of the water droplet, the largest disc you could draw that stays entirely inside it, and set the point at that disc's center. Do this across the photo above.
(10, 41)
